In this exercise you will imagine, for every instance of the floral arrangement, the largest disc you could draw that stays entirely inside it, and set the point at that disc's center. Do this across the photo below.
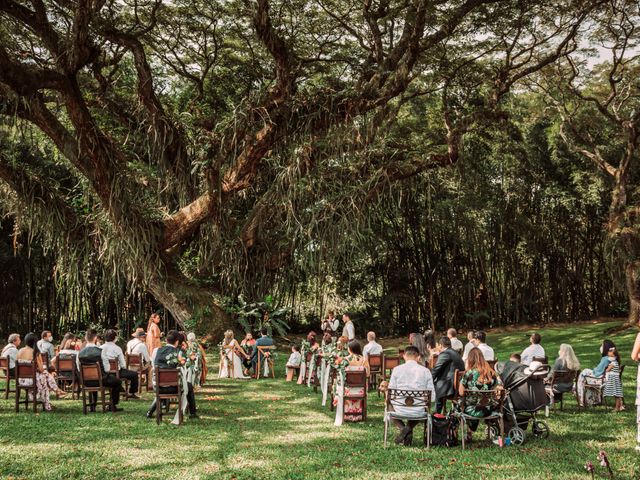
(603, 459)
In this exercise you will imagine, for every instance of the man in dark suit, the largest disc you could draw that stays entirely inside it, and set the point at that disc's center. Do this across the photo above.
(444, 371)
(169, 357)
(92, 354)
(264, 341)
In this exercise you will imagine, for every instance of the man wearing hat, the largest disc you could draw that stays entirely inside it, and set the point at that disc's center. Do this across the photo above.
(138, 346)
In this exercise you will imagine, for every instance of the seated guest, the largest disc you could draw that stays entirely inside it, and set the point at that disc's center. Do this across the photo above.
(138, 346)
(480, 341)
(91, 354)
(170, 357)
(373, 347)
(352, 410)
(444, 372)
(264, 341)
(67, 349)
(470, 344)
(515, 358)
(430, 340)
(293, 364)
(10, 351)
(456, 344)
(45, 345)
(478, 377)
(566, 360)
(135, 338)
(45, 382)
(111, 351)
(534, 350)
(587, 376)
(417, 340)
(409, 376)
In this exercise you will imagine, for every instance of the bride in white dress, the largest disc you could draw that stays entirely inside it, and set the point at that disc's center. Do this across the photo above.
(230, 361)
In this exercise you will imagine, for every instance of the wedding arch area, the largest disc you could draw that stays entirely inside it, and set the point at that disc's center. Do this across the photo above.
(182, 173)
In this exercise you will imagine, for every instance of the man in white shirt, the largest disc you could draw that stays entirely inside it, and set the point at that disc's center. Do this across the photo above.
(45, 345)
(456, 344)
(534, 350)
(480, 341)
(10, 351)
(373, 347)
(410, 376)
(138, 346)
(470, 344)
(111, 351)
(348, 330)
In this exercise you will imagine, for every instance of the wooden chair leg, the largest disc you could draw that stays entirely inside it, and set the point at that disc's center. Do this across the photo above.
(35, 400)
(84, 402)
(17, 399)
(158, 411)
(180, 419)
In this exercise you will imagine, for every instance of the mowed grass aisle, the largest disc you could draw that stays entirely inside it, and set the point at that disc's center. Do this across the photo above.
(269, 429)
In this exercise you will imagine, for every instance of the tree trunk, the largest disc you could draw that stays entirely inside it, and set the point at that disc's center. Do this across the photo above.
(632, 272)
(190, 305)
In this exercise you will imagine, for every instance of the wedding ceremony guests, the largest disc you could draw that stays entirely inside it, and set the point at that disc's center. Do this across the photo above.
(456, 344)
(330, 324)
(352, 409)
(372, 347)
(480, 341)
(248, 344)
(479, 376)
(45, 345)
(171, 357)
(594, 376)
(111, 351)
(444, 372)
(566, 360)
(293, 363)
(470, 344)
(534, 350)
(45, 382)
(414, 377)
(67, 349)
(10, 351)
(264, 341)
(417, 340)
(349, 329)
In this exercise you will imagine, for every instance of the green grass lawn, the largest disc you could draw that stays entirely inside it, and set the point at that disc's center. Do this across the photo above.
(270, 429)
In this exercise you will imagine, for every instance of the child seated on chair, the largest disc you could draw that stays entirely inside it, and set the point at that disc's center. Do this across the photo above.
(293, 364)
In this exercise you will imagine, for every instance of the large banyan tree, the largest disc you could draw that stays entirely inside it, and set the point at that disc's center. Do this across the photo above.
(196, 148)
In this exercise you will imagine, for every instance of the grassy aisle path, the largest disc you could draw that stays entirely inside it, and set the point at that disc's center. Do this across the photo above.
(274, 430)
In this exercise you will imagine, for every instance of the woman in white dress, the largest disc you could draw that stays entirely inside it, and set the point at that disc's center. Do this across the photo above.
(230, 358)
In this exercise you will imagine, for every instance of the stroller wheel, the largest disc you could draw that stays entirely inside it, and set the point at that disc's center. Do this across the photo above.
(517, 436)
(540, 429)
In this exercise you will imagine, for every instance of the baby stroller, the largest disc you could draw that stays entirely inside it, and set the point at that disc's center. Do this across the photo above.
(526, 395)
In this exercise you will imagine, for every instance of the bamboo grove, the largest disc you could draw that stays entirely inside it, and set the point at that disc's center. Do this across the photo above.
(425, 162)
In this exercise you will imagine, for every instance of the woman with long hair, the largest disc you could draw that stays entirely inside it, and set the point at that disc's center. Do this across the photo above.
(45, 383)
(153, 333)
(479, 376)
(595, 376)
(231, 355)
(351, 410)
(417, 340)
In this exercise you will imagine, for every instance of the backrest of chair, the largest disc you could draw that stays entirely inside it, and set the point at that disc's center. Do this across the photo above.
(433, 360)
(400, 352)
(25, 370)
(4, 363)
(457, 377)
(113, 365)
(389, 363)
(355, 378)
(563, 376)
(266, 349)
(65, 364)
(419, 399)
(90, 372)
(167, 377)
(491, 399)
(543, 360)
(45, 358)
(375, 361)
(133, 360)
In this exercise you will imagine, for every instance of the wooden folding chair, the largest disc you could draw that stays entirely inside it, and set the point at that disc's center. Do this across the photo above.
(4, 368)
(433, 360)
(67, 375)
(388, 364)
(420, 400)
(375, 369)
(542, 360)
(167, 379)
(565, 377)
(355, 388)
(455, 398)
(266, 354)
(490, 399)
(135, 364)
(26, 371)
(91, 382)
(114, 367)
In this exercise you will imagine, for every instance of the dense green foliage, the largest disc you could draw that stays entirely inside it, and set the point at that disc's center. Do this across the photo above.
(273, 430)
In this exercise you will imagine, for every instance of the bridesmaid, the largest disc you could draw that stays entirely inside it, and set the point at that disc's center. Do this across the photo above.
(153, 333)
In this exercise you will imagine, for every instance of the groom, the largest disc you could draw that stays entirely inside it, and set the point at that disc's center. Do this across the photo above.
(264, 341)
